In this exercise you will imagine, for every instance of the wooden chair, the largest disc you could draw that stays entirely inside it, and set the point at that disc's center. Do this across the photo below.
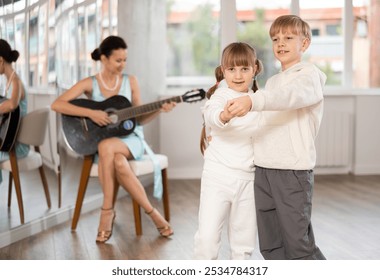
(139, 167)
(32, 132)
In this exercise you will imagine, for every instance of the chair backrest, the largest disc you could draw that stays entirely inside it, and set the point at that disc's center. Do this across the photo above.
(33, 127)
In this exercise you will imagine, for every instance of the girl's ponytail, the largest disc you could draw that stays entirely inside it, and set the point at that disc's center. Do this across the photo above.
(219, 77)
(259, 69)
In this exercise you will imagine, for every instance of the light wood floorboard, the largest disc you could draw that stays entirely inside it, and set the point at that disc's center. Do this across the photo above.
(346, 222)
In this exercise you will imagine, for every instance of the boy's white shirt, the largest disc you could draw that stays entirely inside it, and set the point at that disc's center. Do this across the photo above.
(231, 144)
(291, 107)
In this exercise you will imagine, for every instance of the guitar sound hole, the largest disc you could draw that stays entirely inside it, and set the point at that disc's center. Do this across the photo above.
(114, 118)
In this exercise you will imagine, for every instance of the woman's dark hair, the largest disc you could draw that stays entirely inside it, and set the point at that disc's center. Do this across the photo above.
(108, 45)
(7, 53)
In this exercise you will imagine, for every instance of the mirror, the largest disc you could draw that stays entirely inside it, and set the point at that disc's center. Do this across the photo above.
(36, 212)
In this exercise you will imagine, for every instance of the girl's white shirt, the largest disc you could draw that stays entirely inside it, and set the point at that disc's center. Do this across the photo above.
(231, 145)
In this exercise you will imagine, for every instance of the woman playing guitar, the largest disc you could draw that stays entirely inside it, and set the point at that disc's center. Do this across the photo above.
(114, 152)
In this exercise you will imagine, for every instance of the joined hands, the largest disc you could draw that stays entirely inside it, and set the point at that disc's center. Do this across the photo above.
(237, 107)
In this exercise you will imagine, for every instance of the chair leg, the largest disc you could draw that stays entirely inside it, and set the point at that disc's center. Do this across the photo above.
(59, 186)
(137, 215)
(10, 189)
(165, 194)
(44, 181)
(16, 178)
(45, 185)
(86, 168)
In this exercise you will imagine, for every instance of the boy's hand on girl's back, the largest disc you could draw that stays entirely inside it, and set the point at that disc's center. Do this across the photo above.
(240, 106)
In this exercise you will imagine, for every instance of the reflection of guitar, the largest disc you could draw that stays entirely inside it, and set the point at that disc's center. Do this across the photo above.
(9, 124)
(83, 135)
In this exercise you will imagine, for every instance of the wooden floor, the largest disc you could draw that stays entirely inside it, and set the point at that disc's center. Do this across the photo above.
(346, 221)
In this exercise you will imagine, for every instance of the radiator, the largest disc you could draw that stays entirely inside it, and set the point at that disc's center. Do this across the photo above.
(334, 140)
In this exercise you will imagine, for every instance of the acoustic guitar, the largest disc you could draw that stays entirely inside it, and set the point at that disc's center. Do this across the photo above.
(82, 135)
(9, 125)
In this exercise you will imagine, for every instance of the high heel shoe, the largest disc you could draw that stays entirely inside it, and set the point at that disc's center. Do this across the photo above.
(164, 231)
(105, 234)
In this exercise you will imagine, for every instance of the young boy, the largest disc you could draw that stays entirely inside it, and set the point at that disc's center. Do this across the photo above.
(291, 107)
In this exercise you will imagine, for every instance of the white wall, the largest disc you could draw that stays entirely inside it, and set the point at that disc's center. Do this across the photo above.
(179, 140)
(367, 135)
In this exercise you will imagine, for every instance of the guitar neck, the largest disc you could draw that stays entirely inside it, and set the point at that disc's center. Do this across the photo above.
(132, 112)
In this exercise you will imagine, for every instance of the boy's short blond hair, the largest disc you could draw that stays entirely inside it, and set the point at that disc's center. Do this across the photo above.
(291, 23)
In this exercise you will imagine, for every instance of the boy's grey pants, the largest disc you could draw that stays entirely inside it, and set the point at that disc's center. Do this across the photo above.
(283, 207)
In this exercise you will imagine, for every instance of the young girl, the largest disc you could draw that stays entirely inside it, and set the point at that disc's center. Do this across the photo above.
(227, 179)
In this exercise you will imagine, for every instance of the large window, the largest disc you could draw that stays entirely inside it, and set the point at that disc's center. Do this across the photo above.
(366, 42)
(254, 19)
(193, 38)
(20, 39)
(81, 30)
(55, 37)
(326, 49)
(344, 37)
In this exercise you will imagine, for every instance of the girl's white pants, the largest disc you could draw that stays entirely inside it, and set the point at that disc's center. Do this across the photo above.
(225, 198)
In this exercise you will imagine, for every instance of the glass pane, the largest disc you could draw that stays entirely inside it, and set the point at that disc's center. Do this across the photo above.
(2, 28)
(42, 46)
(51, 45)
(366, 55)
(326, 49)
(82, 31)
(108, 18)
(20, 38)
(9, 32)
(87, 32)
(67, 4)
(105, 19)
(91, 38)
(33, 47)
(113, 19)
(19, 5)
(92, 24)
(66, 50)
(193, 37)
(7, 9)
(254, 20)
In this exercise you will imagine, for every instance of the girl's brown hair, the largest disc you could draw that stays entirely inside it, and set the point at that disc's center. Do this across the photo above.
(235, 54)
